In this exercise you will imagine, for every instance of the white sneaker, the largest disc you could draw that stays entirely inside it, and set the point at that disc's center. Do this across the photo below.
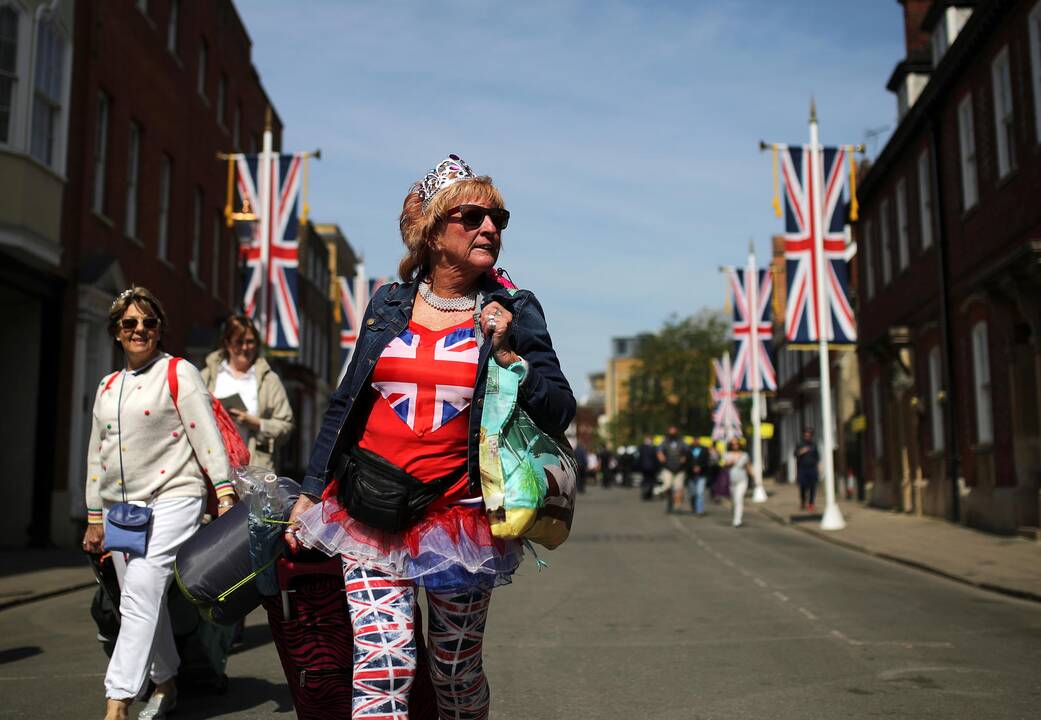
(158, 706)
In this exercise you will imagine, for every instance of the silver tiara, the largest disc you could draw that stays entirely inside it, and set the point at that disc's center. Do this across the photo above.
(448, 172)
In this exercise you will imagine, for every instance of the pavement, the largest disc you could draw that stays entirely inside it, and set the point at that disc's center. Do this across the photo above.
(1008, 565)
(1005, 564)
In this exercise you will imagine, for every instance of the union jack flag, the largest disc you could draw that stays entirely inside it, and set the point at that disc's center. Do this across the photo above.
(270, 249)
(726, 419)
(405, 371)
(745, 377)
(354, 298)
(801, 318)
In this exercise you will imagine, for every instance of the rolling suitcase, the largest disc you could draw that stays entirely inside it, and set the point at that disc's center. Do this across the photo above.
(312, 632)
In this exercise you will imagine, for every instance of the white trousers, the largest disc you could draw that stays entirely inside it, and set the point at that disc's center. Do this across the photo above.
(145, 647)
(738, 488)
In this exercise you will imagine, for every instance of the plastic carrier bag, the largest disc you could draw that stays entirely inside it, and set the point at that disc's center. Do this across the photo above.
(527, 475)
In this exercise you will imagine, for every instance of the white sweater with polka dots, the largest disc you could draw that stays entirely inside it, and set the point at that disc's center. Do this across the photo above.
(164, 453)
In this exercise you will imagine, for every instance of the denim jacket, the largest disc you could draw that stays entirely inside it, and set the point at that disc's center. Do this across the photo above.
(545, 394)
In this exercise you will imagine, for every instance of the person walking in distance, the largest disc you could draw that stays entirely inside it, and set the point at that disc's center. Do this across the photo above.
(674, 456)
(607, 464)
(807, 458)
(699, 468)
(736, 461)
(647, 461)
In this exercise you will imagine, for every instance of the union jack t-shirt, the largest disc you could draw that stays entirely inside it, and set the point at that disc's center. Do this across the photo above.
(425, 382)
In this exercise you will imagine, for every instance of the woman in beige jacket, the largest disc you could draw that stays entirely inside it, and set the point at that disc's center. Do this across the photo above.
(236, 368)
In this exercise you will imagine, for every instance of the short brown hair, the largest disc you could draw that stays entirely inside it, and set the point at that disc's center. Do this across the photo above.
(234, 326)
(135, 295)
(418, 227)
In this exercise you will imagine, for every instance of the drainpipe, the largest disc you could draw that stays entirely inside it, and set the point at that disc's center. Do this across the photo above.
(950, 387)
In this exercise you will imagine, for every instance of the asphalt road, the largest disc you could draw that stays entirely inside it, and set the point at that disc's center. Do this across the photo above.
(645, 615)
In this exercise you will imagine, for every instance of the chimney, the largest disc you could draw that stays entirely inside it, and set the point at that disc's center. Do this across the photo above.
(914, 38)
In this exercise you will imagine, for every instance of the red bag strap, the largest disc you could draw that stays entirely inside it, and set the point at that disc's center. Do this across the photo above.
(171, 380)
(111, 379)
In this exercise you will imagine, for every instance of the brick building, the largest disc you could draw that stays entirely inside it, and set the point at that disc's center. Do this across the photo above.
(950, 270)
(159, 87)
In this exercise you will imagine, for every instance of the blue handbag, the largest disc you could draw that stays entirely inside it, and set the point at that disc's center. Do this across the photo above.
(126, 528)
(126, 524)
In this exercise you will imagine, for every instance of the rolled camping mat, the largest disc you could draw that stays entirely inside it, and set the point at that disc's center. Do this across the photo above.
(214, 568)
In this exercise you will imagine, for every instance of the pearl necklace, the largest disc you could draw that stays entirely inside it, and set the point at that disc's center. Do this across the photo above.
(456, 304)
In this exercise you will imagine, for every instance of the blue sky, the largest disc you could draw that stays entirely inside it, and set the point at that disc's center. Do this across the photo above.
(622, 134)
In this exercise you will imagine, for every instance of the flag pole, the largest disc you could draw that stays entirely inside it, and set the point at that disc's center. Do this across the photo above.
(832, 519)
(263, 309)
(752, 280)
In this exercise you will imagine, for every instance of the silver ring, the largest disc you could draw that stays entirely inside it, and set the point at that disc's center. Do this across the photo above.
(491, 323)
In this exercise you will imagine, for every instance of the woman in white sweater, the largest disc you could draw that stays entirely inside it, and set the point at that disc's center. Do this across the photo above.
(148, 451)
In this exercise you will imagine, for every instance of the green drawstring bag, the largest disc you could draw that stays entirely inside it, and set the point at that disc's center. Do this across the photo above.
(527, 476)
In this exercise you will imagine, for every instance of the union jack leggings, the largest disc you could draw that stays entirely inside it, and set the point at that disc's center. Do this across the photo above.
(381, 607)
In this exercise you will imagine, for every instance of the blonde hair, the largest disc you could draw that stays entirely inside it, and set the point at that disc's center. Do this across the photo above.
(418, 228)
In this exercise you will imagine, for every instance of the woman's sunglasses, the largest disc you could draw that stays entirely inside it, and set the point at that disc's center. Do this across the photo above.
(148, 323)
(472, 216)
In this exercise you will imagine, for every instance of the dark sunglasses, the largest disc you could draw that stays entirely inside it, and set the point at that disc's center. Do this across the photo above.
(472, 216)
(148, 323)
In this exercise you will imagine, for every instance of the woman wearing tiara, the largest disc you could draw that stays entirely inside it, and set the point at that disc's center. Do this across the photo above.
(393, 484)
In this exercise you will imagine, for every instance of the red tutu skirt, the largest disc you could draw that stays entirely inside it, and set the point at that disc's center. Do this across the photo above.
(451, 549)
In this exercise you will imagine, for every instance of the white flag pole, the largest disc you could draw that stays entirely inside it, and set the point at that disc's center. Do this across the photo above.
(752, 283)
(832, 519)
(264, 311)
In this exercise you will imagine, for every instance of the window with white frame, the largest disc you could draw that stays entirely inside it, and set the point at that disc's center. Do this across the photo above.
(883, 242)
(133, 170)
(193, 264)
(967, 148)
(867, 259)
(200, 71)
(938, 43)
(876, 420)
(8, 68)
(97, 200)
(925, 199)
(173, 26)
(165, 183)
(47, 92)
(215, 255)
(1001, 81)
(902, 241)
(981, 382)
(1034, 25)
(935, 400)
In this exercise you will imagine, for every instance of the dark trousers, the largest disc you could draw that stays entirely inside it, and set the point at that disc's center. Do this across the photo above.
(807, 489)
(649, 477)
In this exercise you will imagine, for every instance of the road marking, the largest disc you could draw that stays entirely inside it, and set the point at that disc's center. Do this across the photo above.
(780, 596)
(759, 582)
(729, 562)
(907, 644)
(807, 613)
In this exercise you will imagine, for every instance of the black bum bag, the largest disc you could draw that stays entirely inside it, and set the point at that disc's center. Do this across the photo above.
(377, 492)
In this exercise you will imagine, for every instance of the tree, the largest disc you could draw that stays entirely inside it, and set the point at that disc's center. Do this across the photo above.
(672, 382)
